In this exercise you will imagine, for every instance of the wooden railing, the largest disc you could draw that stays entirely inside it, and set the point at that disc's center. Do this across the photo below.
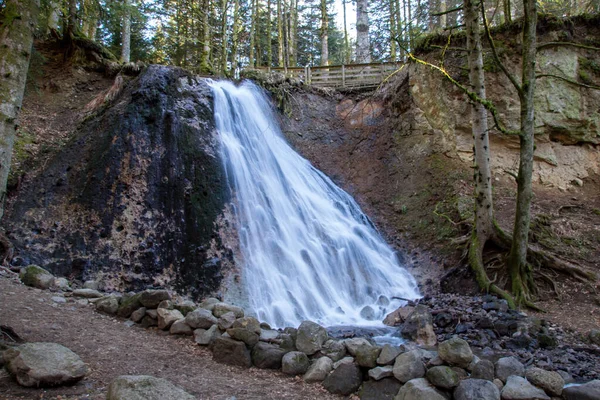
(340, 76)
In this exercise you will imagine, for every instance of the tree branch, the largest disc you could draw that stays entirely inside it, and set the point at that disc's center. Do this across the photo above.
(572, 82)
(447, 12)
(556, 44)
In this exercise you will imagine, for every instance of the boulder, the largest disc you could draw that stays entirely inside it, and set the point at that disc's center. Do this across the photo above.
(384, 389)
(87, 293)
(518, 388)
(267, 356)
(398, 316)
(409, 366)
(128, 305)
(220, 309)
(269, 335)
(456, 351)
(44, 364)
(185, 307)
(476, 389)
(551, 382)
(229, 351)
(62, 284)
(200, 319)
(419, 389)
(418, 327)
(129, 387)
(249, 323)
(388, 354)
(138, 314)
(167, 317)
(484, 369)
(246, 336)
(379, 373)
(294, 363)
(318, 370)
(345, 360)
(226, 321)
(334, 349)
(366, 356)
(180, 327)
(205, 337)
(167, 304)
(353, 344)
(152, 298)
(344, 380)
(443, 377)
(108, 305)
(508, 366)
(148, 321)
(594, 336)
(35, 276)
(310, 337)
(587, 391)
(95, 285)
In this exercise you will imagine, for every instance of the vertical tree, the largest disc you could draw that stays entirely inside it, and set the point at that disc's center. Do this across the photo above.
(53, 18)
(347, 54)
(18, 20)
(280, 37)
(126, 32)
(205, 55)
(253, 26)
(324, 34)
(363, 46)
(392, 30)
(223, 36)
(269, 35)
(237, 26)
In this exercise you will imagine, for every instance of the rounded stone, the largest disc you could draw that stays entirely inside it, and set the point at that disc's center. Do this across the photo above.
(294, 363)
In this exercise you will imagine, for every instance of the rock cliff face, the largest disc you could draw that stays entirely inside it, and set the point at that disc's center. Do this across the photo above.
(137, 197)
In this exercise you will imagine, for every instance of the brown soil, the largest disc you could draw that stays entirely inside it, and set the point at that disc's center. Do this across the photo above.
(110, 349)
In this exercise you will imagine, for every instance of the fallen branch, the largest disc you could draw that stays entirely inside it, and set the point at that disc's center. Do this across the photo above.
(556, 44)
(572, 82)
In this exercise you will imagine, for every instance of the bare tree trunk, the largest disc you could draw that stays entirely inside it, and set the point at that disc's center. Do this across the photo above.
(53, 18)
(411, 40)
(280, 38)
(71, 20)
(205, 55)
(521, 274)
(443, 17)
(236, 33)
(293, 49)
(324, 34)
(126, 32)
(363, 45)
(346, 41)
(392, 31)
(19, 19)
(223, 37)
(507, 11)
(269, 36)
(253, 20)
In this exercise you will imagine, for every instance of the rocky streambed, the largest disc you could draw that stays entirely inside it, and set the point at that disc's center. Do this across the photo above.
(460, 347)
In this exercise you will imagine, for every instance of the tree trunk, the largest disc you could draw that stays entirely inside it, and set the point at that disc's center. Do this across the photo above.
(399, 32)
(269, 36)
(293, 49)
(443, 17)
(53, 18)
(507, 11)
(408, 13)
(280, 38)
(392, 31)
(223, 37)
(347, 54)
(520, 271)
(236, 34)
(126, 31)
(324, 34)
(19, 19)
(72, 20)
(205, 55)
(363, 45)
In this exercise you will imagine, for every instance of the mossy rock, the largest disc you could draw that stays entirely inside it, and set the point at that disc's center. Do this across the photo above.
(35, 276)
(129, 305)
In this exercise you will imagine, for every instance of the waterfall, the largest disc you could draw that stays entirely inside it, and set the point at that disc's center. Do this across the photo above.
(309, 252)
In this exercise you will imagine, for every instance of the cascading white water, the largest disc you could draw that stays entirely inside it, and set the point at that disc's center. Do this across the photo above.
(309, 251)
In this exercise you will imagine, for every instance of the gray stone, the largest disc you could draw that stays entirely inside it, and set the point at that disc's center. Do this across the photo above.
(384, 389)
(476, 389)
(226, 321)
(379, 373)
(44, 364)
(366, 356)
(87, 293)
(345, 360)
(180, 327)
(232, 352)
(388, 355)
(508, 366)
(353, 344)
(518, 388)
(310, 337)
(318, 370)
(200, 318)
(152, 313)
(249, 323)
(167, 304)
(484, 369)
(409, 366)
(62, 284)
(566, 376)
(456, 351)
(166, 318)
(334, 349)
(499, 384)
(152, 298)
(128, 305)
(108, 305)
(148, 321)
(294, 363)
(551, 382)
(588, 391)
(138, 314)
(269, 335)
(474, 362)
(221, 309)
(205, 337)
(344, 380)
(129, 387)
(35, 276)
(594, 336)
(246, 336)
(91, 285)
(418, 327)
(419, 389)
(59, 299)
(209, 304)
(267, 356)
(443, 377)
(186, 307)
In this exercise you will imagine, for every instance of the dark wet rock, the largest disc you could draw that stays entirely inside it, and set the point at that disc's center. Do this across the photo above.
(294, 363)
(144, 175)
(594, 336)
(419, 389)
(366, 356)
(443, 319)
(384, 389)
(476, 389)
(148, 321)
(344, 380)
(138, 314)
(388, 354)
(232, 352)
(588, 391)
(35, 276)
(267, 356)
(152, 298)
(518, 388)
(334, 349)
(44, 364)
(205, 337)
(443, 377)
(484, 369)
(130, 387)
(246, 336)
(310, 337)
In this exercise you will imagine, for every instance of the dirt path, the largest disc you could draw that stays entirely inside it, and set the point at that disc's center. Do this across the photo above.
(110, 349)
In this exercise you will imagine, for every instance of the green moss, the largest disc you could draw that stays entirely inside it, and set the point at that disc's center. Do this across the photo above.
(596, 211)
(29, 275)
